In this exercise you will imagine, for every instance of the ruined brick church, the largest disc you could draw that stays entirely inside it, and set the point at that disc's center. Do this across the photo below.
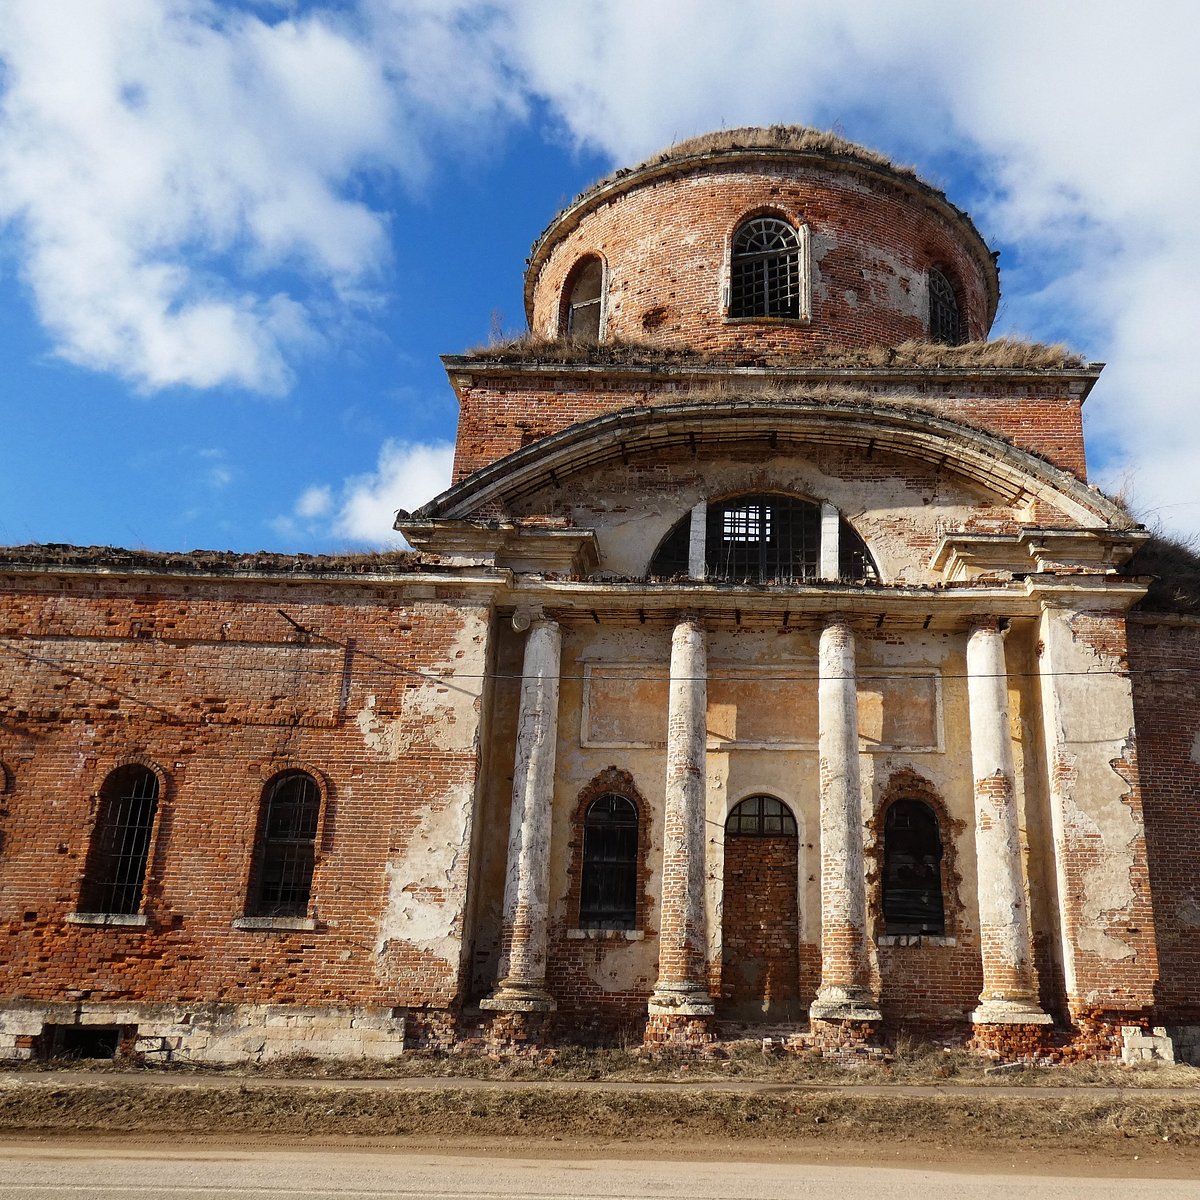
(770, 663)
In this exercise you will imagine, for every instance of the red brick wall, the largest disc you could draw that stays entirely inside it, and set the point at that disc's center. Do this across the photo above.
(503, 412)
(760, 970)
(207, 681)
(1164, 658)
(666, 244)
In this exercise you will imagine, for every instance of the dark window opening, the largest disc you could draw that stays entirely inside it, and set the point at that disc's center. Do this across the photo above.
(584, 301)
(944, 322)
(82, 1041)
(762, 539)
(608, 886)
(761, 816)
(765, 270)
(120, 846)
(912, 870)
(286, 850)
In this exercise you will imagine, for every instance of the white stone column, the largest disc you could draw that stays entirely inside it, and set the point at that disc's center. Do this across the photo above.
(522, 986)
(845, 992)
(1009, 996)
(682, 986)
(698, 541)
(831, 531)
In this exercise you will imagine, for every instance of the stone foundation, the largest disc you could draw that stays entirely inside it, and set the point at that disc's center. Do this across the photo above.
(679, 1031)
(211, 1033)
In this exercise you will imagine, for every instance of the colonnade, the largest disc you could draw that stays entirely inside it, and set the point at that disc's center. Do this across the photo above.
(845, 992)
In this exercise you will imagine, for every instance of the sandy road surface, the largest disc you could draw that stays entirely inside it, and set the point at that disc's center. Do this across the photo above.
(49, 1170)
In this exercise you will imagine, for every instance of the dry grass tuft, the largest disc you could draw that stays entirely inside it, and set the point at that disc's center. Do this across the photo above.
(1003, 353)
(1174, 563)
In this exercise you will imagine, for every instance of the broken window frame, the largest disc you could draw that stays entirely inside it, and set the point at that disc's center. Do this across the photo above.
(118, 857)
(912, 889)
(285, 846)
(583, 315)
(608, 880)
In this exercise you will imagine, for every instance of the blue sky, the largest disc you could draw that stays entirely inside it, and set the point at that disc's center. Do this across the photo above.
(235, 237)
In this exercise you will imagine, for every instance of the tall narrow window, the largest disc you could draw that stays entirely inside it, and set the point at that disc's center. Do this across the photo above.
(944, 323)
(584, 300)
(120, 846)
(608, 887)
(764, 267)
(912, 870)
(286, 849)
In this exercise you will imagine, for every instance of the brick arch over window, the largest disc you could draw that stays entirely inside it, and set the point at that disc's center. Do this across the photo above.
(582, 312)
(913, 881)
(766, 269)
(606, 842)
(285, 845)
(763, 537)
(114, 875)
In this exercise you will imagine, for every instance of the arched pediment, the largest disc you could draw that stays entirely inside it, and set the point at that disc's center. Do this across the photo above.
(1011, 475)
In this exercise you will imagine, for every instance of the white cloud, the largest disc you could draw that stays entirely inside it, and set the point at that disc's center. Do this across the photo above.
(407, 475)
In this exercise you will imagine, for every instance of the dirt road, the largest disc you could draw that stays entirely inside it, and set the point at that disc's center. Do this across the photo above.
(51, 1170)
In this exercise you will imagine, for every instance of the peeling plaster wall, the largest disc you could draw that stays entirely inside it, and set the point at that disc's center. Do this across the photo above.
(1108, 951)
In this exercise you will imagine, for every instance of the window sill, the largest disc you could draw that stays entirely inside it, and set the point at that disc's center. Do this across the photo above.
(915, 939)
(275, 924)
(605, 935)
(115, 920)
(802, 320)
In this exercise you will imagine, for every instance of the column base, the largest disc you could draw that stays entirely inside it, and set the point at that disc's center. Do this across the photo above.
(1009, 1012)
(514, 997)
(843, 1040)
(683, 1001)
(515, 1034)
(842, 1004)
(678, 1029)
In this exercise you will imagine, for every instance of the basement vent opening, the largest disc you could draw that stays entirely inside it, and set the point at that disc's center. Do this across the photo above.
(83, 1041)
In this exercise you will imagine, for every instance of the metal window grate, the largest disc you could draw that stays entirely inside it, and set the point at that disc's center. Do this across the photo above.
(912, 870)
(944, 323)
(608, 886)
(765, 270)
(761, 816)
(763, 539)
(116, 863)
(286, 846)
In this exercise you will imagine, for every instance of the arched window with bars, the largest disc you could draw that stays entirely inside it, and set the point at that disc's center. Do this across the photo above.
(609, 881)
(766, 276)
(945, 323)
(115, 872)
(913, 902)
(285, 848)
(583, 300)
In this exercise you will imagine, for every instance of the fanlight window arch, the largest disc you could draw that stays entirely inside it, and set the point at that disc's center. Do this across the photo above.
(945, 323)
(761, 538)
(609, 881)
(583, 300)
(760, 816)
(765, 278)
(912, 870)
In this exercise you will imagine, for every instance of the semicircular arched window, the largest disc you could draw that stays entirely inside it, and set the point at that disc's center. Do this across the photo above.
(583, 300)
(945, 324)
(608, 885)
(115, 870)
(761, 538)
(285, 848)
(760, 816)
(912, 870)
(764, 270)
